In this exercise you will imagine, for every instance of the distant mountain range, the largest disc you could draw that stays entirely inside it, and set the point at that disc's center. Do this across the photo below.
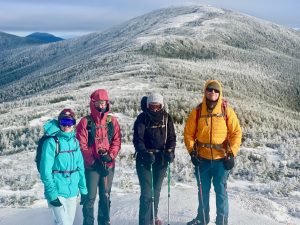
(44, 37)
(10, 41)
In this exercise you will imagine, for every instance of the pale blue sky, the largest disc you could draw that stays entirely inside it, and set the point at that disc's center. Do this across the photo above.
(67, 17)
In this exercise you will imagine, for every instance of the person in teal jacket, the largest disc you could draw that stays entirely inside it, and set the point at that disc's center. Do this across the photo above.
(62, 173)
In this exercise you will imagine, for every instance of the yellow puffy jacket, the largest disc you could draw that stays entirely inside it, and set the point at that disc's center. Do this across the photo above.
(213, 130)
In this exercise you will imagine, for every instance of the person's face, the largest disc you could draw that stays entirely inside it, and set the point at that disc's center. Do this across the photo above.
(154, 106)
(101, 104)
(212, 94)
(66, 128)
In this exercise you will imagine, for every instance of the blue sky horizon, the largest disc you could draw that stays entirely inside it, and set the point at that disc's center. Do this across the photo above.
(66, 18)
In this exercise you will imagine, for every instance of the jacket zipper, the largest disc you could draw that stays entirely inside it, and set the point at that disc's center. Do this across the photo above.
(212, 157)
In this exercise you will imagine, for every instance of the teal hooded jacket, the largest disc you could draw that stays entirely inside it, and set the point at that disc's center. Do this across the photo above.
(62, 174)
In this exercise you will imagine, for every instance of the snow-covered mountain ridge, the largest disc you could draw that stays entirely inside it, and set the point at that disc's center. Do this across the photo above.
(191, 33)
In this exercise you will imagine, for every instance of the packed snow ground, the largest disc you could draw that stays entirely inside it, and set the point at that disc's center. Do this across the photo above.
(247, 205)
(183, 207)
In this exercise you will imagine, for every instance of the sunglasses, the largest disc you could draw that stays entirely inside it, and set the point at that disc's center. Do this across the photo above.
(67, 122)
(155, 107)
(212, 89)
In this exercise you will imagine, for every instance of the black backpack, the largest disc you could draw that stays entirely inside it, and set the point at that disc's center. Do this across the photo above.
(91, 128)
(39, 149)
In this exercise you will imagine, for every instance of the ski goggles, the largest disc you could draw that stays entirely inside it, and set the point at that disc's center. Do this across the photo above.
(67, 122)
(212, 89)
(155, 107)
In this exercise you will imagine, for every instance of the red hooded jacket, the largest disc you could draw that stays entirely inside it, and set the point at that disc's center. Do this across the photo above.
(90, 154)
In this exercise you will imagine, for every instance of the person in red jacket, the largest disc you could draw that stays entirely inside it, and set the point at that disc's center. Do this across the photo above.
(100, 141)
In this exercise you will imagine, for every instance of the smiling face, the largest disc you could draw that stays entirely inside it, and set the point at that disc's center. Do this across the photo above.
(212, 94)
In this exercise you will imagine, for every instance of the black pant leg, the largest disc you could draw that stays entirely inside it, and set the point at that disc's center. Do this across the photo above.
(144, 176)
(105, 184)
(159, 172)
(92, 180)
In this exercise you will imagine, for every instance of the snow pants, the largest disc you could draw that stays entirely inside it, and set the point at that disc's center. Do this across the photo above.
(212, 171)
(94, 181)
(144, 176)
(65, 214)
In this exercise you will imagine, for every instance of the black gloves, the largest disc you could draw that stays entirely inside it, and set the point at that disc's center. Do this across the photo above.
(194, 158)
(229, 163)
(100, 168)
(83, 199)
(56, 203)
(105, 157)
(148, 157)
(169, 155)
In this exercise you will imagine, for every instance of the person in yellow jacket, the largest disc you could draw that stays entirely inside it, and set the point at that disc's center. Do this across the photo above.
(212, 136)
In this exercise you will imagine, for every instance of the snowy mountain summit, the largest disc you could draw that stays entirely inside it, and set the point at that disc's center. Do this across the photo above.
(190, 33)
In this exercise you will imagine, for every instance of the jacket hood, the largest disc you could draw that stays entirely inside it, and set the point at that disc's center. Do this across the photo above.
(144, 103)
(219, 102)
(100, 94)
(52, 128)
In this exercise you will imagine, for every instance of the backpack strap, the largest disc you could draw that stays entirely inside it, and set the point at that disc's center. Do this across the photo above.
(65, 171)
(91, 128)
(224, 111)
(166, 131)
(57, 149)
(225, 115)
(110, 128)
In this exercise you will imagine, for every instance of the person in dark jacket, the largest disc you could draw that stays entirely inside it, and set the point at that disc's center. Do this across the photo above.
(100, 145)
(154, 141)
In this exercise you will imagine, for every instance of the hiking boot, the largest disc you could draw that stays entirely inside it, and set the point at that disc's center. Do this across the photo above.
(195, 222)
(157, 222)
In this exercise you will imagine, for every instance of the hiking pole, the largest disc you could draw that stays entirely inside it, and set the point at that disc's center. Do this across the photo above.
(169, 190)
(225, 202)
(106, 191)
(152, 194)
(201, 194)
